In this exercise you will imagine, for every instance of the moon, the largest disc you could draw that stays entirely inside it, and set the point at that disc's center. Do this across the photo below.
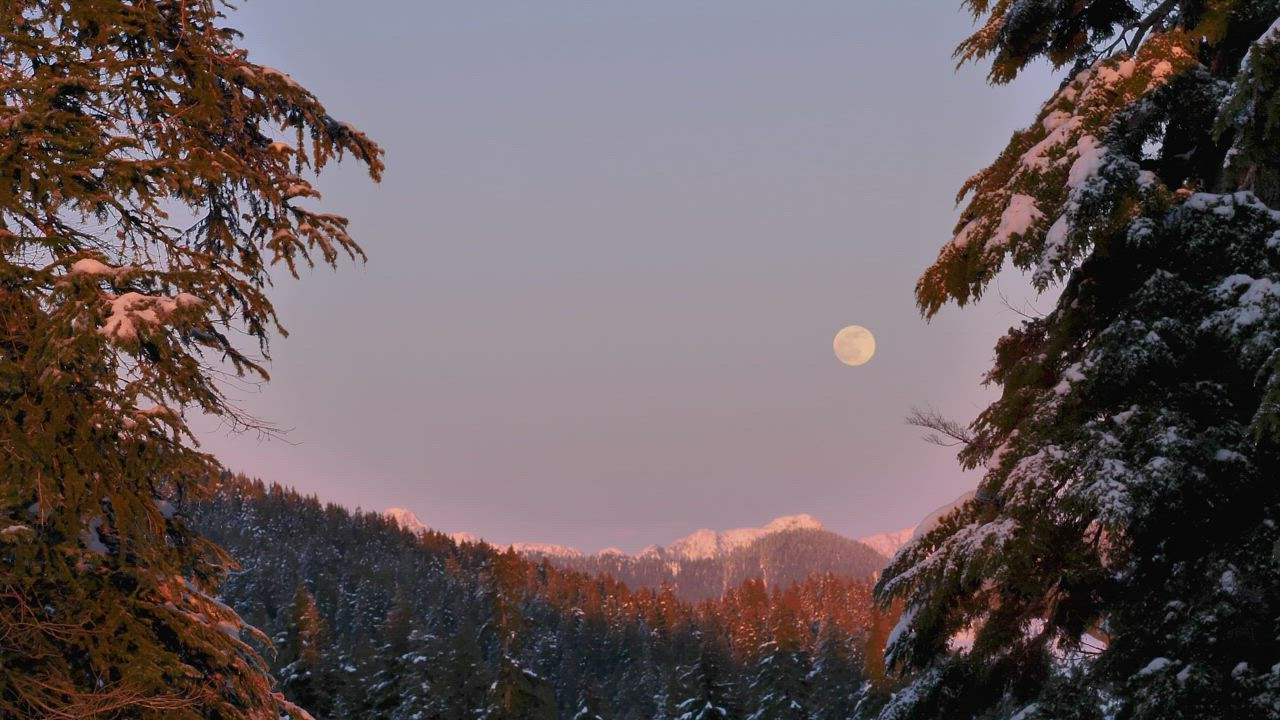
(854, 345)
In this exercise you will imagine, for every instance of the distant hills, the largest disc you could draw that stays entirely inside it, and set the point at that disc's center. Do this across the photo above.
(888, 543)
(707, 563)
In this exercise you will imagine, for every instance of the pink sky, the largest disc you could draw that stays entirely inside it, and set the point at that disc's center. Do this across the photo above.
(612, 248)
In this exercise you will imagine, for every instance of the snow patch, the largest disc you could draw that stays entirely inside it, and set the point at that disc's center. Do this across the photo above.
(405, 519)
(548, 549)
(887, 543)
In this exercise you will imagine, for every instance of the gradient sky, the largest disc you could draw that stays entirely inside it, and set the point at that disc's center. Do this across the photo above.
(613, 244)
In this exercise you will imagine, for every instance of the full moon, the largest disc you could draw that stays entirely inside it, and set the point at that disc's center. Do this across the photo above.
(854, 345)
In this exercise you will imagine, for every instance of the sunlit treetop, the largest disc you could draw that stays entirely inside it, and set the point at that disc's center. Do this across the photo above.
(1103, 147)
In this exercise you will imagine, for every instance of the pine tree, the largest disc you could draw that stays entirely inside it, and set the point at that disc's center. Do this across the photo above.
(144, 200)
(458, 676)
(400, 683)
(518, 693)
(307, 675)
(1119, 550)
(836, 675)
(780, 687)
(592, 705)
(707, 688)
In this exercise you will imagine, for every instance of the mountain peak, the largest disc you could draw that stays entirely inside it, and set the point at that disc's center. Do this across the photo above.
(405, 519)
(803, 521)
(546, 549)
(705, 543)
(887, 543)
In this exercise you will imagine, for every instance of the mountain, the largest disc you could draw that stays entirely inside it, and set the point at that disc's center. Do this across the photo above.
(704, 543)
(547, 549)
(706, 563)
(406, 519)
(709, 566)
(887, 543)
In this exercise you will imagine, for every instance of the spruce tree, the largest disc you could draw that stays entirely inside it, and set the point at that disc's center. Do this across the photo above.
(307, 674)
(400, 684)
(458, 676)
(836, 675)
(780, 688)
(152, 177)
(1119, 556)
(707, 690)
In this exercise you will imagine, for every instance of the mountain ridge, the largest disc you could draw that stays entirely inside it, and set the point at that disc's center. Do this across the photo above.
(701, 544)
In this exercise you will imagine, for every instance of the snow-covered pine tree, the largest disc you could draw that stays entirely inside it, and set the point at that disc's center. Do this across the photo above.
(592, 705)
(706, 687)
(1121, 548)
(517, 692)
(401, 687)
(121, 120)
(835, 675)
(780, 687)
(458, 675)
(307, 674)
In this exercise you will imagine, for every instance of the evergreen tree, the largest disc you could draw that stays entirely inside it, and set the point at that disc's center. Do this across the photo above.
(1118, 557)
(458, 673)
(142, 204)
(836, 675)
(307, 676)
(401, 686)
(781, 686)
(707, 690)
(592, 706)
(518, 693)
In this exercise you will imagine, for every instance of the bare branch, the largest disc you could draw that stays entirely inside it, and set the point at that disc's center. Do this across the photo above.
(1143, 26)
(946, 432)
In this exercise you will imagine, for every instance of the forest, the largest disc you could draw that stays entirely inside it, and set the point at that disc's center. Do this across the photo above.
(369, 620)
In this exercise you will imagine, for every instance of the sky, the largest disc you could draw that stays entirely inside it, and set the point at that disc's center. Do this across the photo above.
(612, 247)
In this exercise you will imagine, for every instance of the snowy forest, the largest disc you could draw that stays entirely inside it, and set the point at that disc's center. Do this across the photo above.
(1119, 558)
(370, 620)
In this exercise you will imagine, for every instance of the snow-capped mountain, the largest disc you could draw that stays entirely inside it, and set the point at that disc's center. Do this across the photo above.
(705, 563)
(698, 545)
(409, 521)
(704, 543)
(887, 543)
(406, 519)
(548, 549)
(701, 544)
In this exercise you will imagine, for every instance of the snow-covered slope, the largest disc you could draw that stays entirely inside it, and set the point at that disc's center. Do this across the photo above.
(887, 543)
(701, 544)
(409, 521)
(549, 549)
(934, 517)
(406, 519)
(704, 543)
(698, 545)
